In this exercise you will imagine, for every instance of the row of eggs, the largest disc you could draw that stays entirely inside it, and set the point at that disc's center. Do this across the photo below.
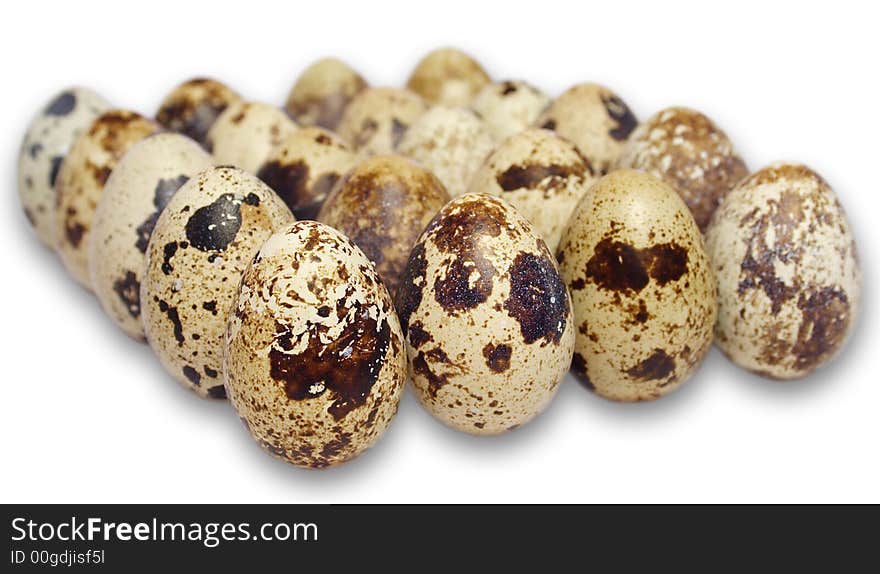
(477, 237)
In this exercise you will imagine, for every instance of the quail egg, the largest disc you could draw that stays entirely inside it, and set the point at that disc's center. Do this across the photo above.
(201, 244)
(383, 205)
(137, 190)
(486, 317)
(81, 180)
(46, 143)
(322, 92)
(376, 119)
(246, 132)
(448, 77)
(192, 107)
(508, 108)
(789, 282)
(644, 296)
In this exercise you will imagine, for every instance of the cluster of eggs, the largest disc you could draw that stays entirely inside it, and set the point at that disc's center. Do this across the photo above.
(475, 237)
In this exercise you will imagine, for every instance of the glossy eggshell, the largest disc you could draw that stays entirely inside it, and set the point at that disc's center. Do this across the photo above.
(451, 142)
(508, 108)
(593, 118)
(642, 287)
(315, 361)
(685, 148)
(377, 118)
(246, 132)
(448, 77)
(486, 316)
(81, 181)
(203, 241)
(305, 167)
(789, 281)
(541, 174)
(137, 190)
(48, 139)
(383, 205)
(192, 107)
(322, 92)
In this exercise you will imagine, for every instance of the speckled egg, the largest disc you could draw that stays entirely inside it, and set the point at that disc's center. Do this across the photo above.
(593, 118)
(81, 180)
(383, 205)
(246, 132)
(45, 145)
(541, 174)
(486, 316)
(305, 167)
(451, 142)
(135, 194)
(508, 108)
(448, 77)
(376, 119)
(322, 92)
(202, 242)
(688, 151)
(642, 287)
(315, 362)
(789, 283)
(192, 107)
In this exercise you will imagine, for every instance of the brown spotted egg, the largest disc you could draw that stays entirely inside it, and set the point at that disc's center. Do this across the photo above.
(136, 192)
(383, 205)
(541, 174)
(451, 142)
(486, 316)
(376, 119)
(508, 108)
(192, 107)
(593, 118)
(685, 148)
(81, 180)
(305, 167)
(322, 92)
(246, 132)
(315, 362)
(48, 139)
(201, 244)
(448, 77)
(789, 282)
(642, 287)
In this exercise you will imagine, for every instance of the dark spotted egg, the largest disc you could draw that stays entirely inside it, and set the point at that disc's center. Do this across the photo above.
(449, 77)
(315, 362)
(486, 316)
(138, 189)
(376, 119)
(192, 107)
(509, 107)
(322, 92)
(48, 139)
(246, 133)
(383, 205)
(201, 244)
(644, 298)
(789, 281)
(81, 182)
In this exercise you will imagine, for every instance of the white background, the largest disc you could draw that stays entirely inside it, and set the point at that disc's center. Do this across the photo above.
(88, 415)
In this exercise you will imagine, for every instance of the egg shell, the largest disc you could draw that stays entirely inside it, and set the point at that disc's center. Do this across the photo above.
(486, 316)
(322, 92)
(137, 190)
(246, 133)
(81, 181)
(448, 77)
(383, 205)
(45, 145)
(789, 280)
(593, 118)
(304, 168)
(541, 174)
(685, 148)
(192, 107)
(509, 107)
(315, 361)
(642, 286)
(203, 241)
(377, 118)
(451, 142)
